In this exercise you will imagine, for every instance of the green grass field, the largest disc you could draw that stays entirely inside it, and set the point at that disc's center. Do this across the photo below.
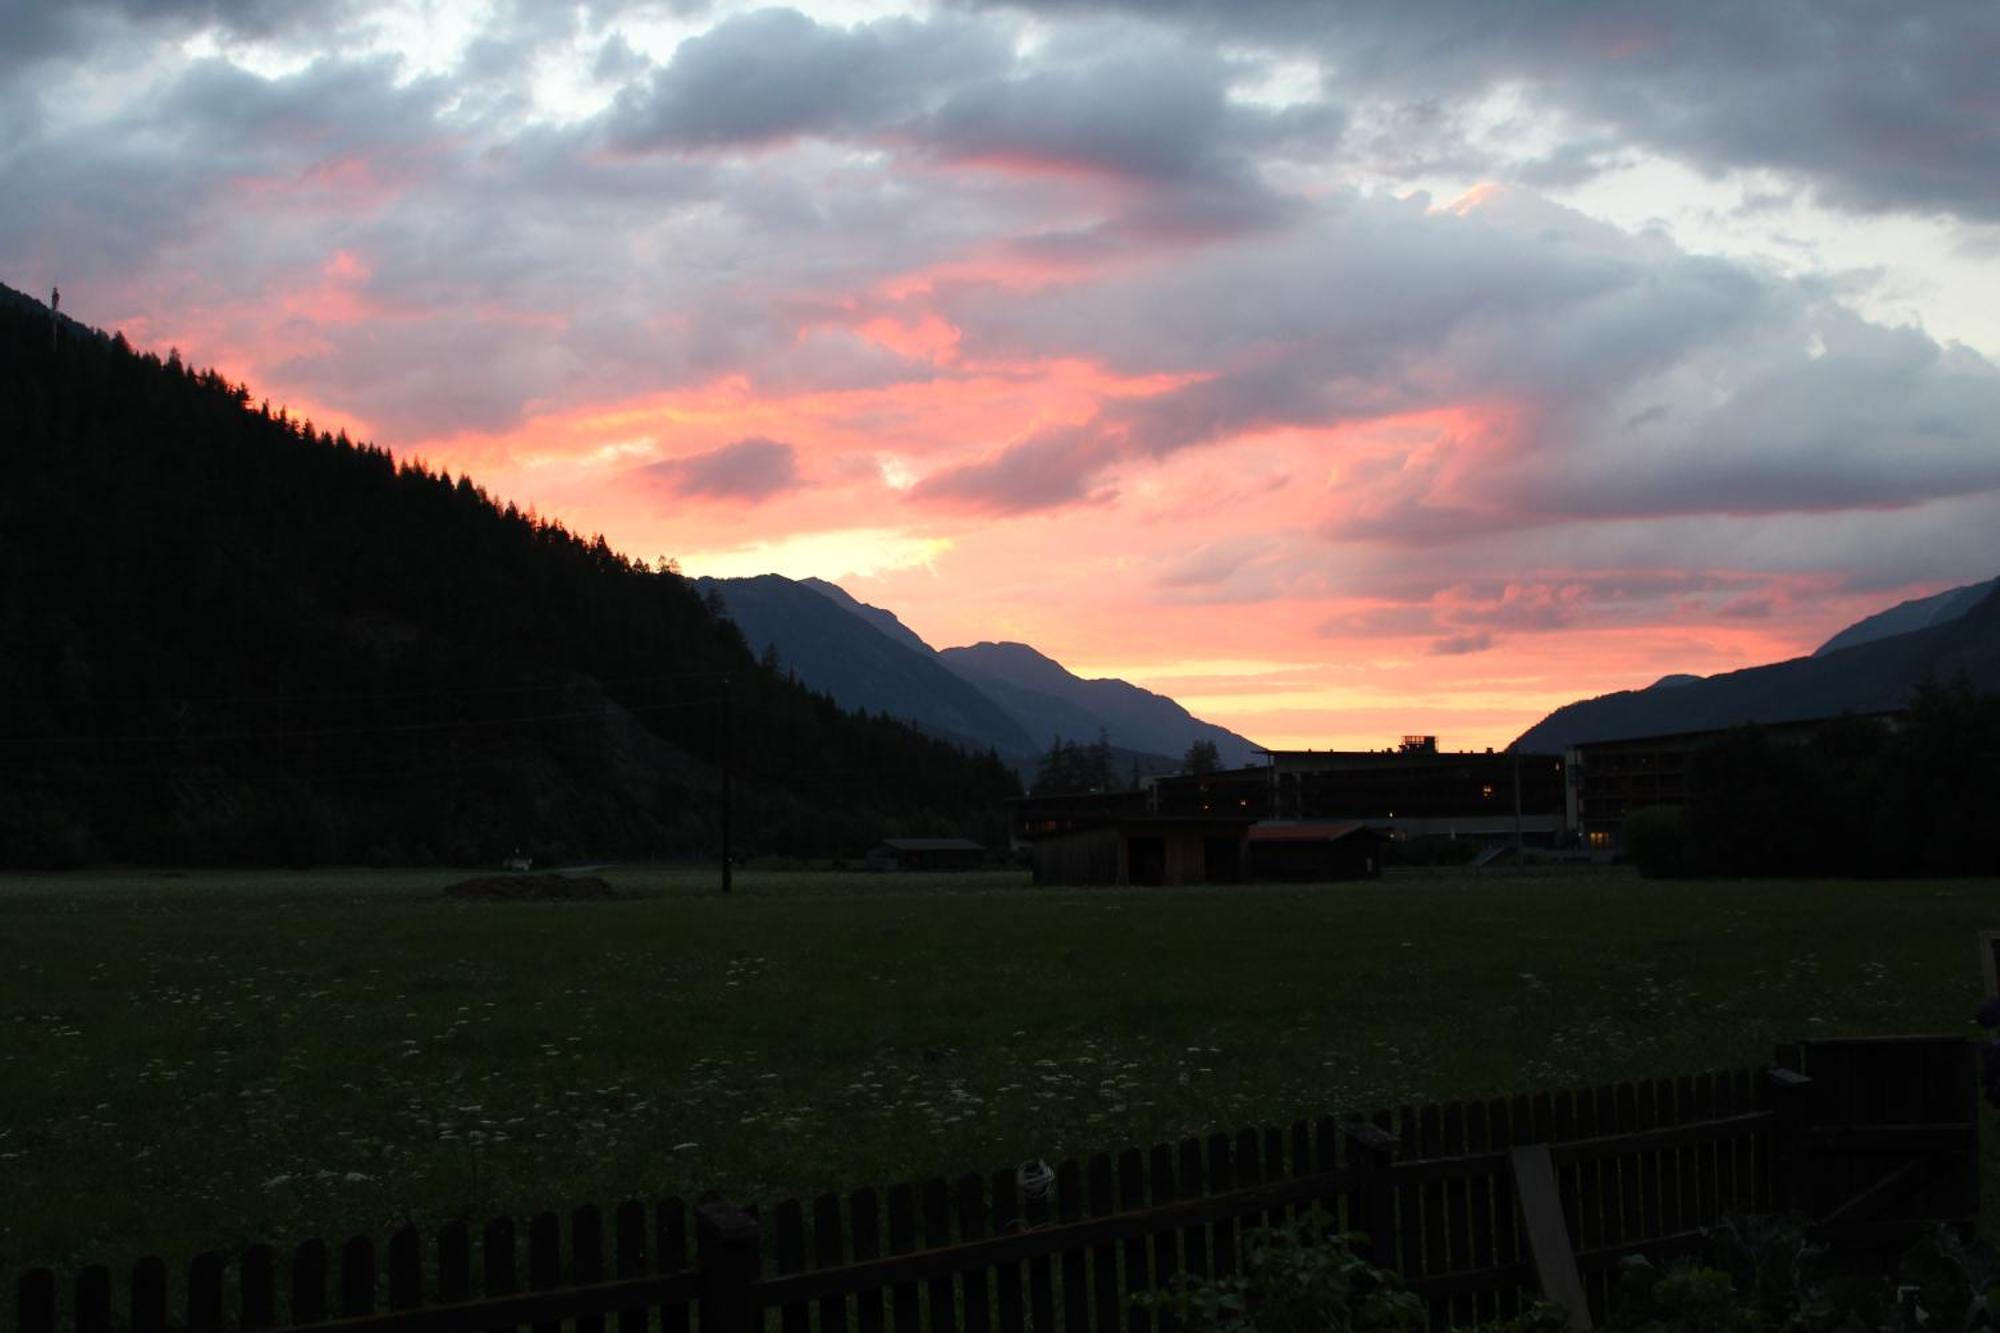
(188, 1063)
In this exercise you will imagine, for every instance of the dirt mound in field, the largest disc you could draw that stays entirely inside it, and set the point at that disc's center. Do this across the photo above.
(535, 888)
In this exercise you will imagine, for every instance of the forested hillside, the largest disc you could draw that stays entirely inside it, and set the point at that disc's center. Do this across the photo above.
(228, 637)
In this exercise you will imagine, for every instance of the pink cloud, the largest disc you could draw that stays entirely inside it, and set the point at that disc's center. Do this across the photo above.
(749, 470)
(1080, 334)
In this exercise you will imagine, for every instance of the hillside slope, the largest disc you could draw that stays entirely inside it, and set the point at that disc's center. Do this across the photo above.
(865, 658)
(1915, 614)
(1872, 676)
(881, 618)
(1006, 697)
(229, 637)
(839, 652)
(1038, 688)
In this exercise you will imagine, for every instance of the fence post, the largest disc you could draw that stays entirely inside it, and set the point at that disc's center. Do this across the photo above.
(726, 1248)
(1790, 1094)
(1371, 1208)
(1549, 1244)
(36, 1296)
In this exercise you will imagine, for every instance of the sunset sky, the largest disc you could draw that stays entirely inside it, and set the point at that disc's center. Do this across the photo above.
(1341, 372)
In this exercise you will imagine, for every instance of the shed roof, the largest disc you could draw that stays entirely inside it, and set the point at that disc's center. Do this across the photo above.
(1304, 832)
(1226, 825)
(932, 844)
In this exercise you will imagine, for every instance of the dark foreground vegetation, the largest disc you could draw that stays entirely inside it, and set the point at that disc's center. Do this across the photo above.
(1856, 799)
(203, 1061)
(1751, 1274)
(229, 637)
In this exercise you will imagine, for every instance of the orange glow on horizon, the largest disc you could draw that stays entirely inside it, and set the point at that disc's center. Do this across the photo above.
(1231, 550)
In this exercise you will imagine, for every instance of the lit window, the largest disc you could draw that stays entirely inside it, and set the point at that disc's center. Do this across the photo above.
(1599, 838)
(1487, 790)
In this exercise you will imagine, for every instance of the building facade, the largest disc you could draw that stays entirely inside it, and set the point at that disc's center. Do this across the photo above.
(1414, 790)
(1611, 780)
(1142, 849)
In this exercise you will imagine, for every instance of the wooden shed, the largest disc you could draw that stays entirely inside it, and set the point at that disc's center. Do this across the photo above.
(1143, 849)
(1314, 851)
(926, 854)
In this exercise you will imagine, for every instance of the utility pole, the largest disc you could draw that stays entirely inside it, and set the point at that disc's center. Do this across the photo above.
(1519, 854)
(728, 760)
(55, 318)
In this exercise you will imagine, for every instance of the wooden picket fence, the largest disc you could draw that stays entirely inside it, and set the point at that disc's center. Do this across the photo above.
(1637, 1167)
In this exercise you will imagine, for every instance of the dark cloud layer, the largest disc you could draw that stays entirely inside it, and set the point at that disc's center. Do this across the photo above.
(1459, 645)
(1046, 472)
(1570, 341)
(1504, 383)
(752, 470)
(1880, 107)
(776, 74)
(48, 30)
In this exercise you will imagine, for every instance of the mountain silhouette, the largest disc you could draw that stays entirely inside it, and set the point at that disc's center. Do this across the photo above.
(1915, 614)
(882, 619)
(1874, 675)
(230, 637)
(838, 650)
(1038, 689)
(1005, 696)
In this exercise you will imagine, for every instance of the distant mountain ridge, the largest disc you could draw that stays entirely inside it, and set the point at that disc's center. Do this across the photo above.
(1915, 614)
(1031, 685)
(1006, 696)
(1875, 674)
(882, 619)
(852, 657)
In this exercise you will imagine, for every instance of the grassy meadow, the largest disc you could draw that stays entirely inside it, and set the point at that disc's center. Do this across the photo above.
(196, 1062)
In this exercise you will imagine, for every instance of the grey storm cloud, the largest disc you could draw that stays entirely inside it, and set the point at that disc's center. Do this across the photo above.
(478, 238)
(1614, 573)
(148, 173)
(776, 74)
(1880, 419)
(332, 107)
(1153, 113)
(1161, 117)
(42, 30)
(1432, 599)
(752, 469)
(716, 220)
(1881, 107)
(1631, 379)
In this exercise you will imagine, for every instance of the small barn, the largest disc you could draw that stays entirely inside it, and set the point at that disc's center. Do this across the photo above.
(1143, 849)
(1314, 851)
(926, 854)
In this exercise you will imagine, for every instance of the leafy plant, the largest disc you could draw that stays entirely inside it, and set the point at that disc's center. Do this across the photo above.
(1657, 842)
(1301, 1278)
(1772, 1261)
(1945, 1284)
(1768, 1275)
(1541, 1317)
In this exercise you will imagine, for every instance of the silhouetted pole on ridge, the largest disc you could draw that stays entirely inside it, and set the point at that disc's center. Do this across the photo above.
(728, 852)
(1520, 854)
(55, 319)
